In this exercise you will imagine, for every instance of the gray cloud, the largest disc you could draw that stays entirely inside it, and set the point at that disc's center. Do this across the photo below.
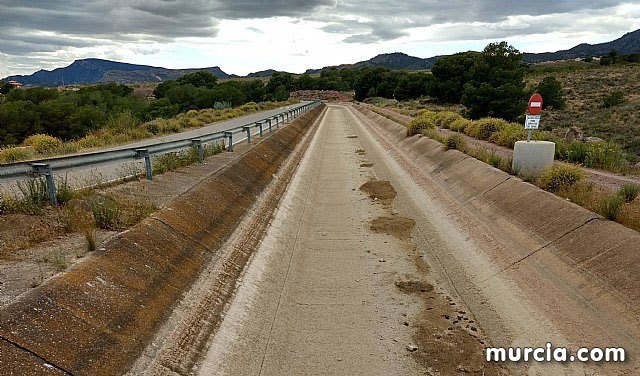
(385, 20)
(47, 32)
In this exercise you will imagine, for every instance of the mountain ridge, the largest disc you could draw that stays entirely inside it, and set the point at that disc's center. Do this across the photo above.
(92, 70)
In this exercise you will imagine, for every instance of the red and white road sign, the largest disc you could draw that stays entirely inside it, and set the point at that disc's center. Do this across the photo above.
(535, 104)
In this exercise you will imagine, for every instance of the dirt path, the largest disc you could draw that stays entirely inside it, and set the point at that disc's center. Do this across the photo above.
(600, 178)
(337, 286)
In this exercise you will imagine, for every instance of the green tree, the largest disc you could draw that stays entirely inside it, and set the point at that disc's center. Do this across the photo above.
(450, 74)
(199, 79)
(34, 95)
(496, 84)
(552, 94)
(412, 86)
(279, 86)
(161, 90)
(366, 84)
(5, 87)
(18, 120)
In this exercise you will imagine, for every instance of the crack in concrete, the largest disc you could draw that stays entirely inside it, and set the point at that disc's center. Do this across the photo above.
(25, 349)
(539, 249)
(487, 191)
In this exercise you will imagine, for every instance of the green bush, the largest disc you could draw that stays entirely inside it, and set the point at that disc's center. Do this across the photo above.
(483, 129)
(16, 154)
(613, 99)
(455, 142)
(561, 177)
(629, 192)
(105, 213)
(577, 152)
(42, 143)
(459, 125)
(121, 121)
(424, 120)
(605, 155)
(444, 119)
(610, 207)
(508, 135)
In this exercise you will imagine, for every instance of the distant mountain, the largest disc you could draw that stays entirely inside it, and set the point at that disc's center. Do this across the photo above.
(91, 71)
(395, 61)
(627, 44)
(262, 74)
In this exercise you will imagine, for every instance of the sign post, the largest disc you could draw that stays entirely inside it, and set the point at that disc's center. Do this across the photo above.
(533, 118)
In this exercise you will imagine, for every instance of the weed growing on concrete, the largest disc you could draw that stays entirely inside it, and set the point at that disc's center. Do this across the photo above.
(59, 261)
(105, 214)
(629, 192)
(90, 236)
(34, 195)
(64, 192)
(134, 211)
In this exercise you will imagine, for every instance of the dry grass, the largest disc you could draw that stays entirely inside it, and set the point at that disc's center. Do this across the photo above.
(585, 91)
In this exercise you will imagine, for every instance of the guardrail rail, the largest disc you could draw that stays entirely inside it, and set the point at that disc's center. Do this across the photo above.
(46, 167)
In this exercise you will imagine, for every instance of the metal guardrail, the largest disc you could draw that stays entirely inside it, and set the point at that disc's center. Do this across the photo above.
(46, 167)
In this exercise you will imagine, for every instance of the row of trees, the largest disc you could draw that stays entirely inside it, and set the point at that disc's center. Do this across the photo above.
(488, 83)
(66, 115)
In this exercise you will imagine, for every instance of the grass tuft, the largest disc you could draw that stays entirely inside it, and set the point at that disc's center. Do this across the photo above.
(629, 192)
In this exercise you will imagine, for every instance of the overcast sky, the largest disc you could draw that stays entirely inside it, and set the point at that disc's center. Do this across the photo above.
(243, 36)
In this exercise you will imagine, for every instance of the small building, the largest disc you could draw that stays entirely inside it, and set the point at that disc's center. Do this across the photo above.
(15, 84)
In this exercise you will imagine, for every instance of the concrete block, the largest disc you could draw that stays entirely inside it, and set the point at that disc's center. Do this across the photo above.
(533, 158)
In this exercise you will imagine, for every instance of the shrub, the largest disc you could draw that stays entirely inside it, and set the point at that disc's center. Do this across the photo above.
(508, 135)
(577, 152)
(424, 120)
(610, 207)
(444, 119)
(90, 141)
(121, 121)
(459, 125)
(613, 99)
(455, 142)
(34, 195)
(42, 143)
(494, 159)
(561, 177)
(434, 134)
(105, 213)
(605, 155)
(629, 192)
(483, 129)
(16, 154)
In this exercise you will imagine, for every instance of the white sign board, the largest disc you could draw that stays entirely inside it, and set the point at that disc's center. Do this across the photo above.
(532, 122)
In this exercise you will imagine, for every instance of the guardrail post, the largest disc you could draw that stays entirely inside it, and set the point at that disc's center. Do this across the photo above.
(40, 169)
(248, 130)
(259, 125)
(144, 153)
(282, 119)
(229, 136)
(269, 121)
(198, 144)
